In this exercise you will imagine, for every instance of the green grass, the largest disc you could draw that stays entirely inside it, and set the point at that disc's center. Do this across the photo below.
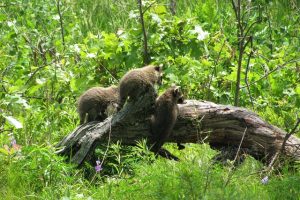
(39, 174)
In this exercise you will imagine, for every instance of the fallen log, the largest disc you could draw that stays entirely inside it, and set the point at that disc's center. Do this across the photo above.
(198, 122)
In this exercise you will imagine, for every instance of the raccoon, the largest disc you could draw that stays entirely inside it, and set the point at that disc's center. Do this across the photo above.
(165, 116)
(138, 81)
(93, 104)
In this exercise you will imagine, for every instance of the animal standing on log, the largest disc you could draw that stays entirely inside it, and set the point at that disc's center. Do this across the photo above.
(164, 118)
(137, 82)
(94, 103)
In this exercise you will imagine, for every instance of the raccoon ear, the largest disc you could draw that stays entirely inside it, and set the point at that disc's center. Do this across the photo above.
(176, 91)
(158, 68)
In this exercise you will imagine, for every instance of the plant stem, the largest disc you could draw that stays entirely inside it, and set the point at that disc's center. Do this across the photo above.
(146, 58)
(60, 22)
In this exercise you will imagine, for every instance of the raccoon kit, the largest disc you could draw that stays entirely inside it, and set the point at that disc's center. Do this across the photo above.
(138, 81)
(94, 104)
(165, 116)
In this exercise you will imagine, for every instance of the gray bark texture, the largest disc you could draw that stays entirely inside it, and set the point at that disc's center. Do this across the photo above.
(198, 122)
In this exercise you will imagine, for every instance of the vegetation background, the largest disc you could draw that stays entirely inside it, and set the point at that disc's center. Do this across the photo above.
(51, 51)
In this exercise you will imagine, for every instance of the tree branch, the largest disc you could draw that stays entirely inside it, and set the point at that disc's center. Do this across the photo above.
(247, 70)
(106, 69)
(214, 73)
(275, 69)
(38, 69)
(231, 172)
(240, 38)
(60, 22)
(146, 58)
(281, 151)
(250, 27)
(149, 7)
(287, 136)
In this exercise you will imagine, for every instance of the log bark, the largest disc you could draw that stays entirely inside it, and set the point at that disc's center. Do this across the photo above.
(198, 122)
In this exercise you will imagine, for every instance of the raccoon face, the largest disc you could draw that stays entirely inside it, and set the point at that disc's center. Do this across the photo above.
(177, 94)
(159, 74)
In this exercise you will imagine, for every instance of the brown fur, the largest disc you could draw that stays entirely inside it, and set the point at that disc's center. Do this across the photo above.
(138, 81)
(93, 103)
(165, 116)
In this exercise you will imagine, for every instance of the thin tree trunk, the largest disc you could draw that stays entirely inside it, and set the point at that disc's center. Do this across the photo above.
(61, 23)
(146, 57)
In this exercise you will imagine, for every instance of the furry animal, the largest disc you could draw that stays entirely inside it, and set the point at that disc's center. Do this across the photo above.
(165, 116)
(138, 81)
(94, 103)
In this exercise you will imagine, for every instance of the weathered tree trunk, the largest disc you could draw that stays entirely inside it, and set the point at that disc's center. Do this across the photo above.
(199, 121)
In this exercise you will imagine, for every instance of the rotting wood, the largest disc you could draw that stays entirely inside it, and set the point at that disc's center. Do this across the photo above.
(198, 122)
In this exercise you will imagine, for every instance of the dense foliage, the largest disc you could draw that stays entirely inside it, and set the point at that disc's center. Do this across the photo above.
(52, 51)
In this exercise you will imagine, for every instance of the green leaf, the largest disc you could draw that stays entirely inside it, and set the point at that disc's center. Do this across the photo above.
(297, 90)
(4, 151)
(160, 9)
